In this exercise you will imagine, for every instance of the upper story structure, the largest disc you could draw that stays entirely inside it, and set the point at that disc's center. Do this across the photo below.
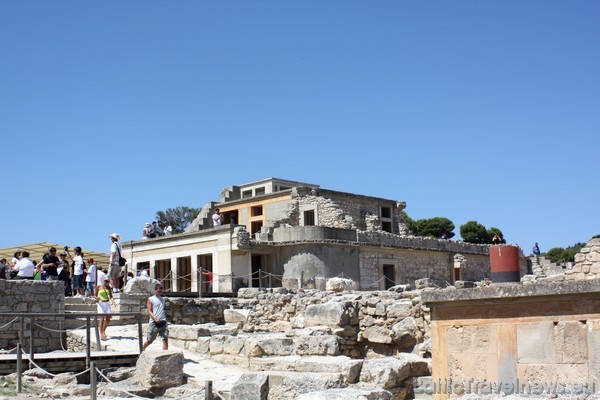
(270, 203)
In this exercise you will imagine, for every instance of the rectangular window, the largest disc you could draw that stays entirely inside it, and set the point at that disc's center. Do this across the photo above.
(259, 191)
(386, 226)
(386, 212)
(309, 217)
(255, 227)
(246, 194)
(256, 211)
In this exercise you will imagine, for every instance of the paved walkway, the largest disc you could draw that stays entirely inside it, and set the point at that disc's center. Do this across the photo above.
(199, 368)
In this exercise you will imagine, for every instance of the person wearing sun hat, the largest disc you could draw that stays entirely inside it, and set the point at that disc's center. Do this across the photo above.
(114, 270)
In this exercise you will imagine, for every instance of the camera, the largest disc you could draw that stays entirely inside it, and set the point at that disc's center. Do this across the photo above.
(66, 248)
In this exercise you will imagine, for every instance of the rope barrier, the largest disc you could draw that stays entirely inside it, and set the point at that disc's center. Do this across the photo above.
(117, 386)
(50, 373)
(51, 330)
(4, 326)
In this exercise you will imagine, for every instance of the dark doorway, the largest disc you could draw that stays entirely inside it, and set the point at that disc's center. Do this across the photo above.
(389, 272)
(230, 217)
(256, 266)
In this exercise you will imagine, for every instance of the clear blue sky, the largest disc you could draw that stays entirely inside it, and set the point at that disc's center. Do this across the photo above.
(470, 110)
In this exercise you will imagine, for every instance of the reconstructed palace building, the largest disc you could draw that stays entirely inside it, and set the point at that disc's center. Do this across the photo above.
(284, 233)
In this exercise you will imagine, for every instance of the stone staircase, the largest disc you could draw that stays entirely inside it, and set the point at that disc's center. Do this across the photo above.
(77, 305)
(303, 361)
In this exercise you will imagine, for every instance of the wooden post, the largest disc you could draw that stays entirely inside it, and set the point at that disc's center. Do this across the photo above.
(98, 343)
(19, 367)
(88, 352)
(270, 280)
(260, 279)
(93, 380)
(140, 339)
(208, 392)
(31, 353)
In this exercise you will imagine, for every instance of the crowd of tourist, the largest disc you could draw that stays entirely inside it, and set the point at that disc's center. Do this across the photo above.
(152, 230)
(81, 275)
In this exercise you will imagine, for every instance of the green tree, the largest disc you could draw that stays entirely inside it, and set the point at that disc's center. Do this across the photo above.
(560, 255)
(179, 218)
(474, 232)
(433, 227)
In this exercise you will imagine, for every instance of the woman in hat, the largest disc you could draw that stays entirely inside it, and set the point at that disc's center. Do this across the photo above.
(105, 299)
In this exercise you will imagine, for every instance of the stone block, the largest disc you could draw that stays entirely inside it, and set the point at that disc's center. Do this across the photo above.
(388, 372)
(248, 293)
(233, 345)
(160, 369)
(570, 342)
(341, 285)
(276, 346)
(535, 343)
(479, 367)
(284, 363)
(400, 309)
(405, 332)
(328, 364)
(203, 345)
(471, 339)
(377, 334)
(141, 285)
(348, 394)
(330, 314)
(290, 385)
(250, 387)
(464, 284)
(236, 316)
(322, 345)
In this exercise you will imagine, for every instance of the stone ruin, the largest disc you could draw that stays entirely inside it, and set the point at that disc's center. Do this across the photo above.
(585, 267)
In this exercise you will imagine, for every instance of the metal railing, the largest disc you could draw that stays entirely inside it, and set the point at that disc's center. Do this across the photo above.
(34, 318)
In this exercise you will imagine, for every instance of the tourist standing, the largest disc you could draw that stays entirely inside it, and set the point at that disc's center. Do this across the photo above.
(64, 273)
(154, 231)
(50, 265)
(158, 319)
(217, 218)
(3, 269)
(24, 267)
(114, 270)
(90, 278)
(536, 249)
(146, 231)
(105, 298)
(168, 230)
(77, 271)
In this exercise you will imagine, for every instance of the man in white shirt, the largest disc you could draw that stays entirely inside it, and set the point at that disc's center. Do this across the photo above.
(217, 218)
(90, 278)
(24, 267)
(168, 230)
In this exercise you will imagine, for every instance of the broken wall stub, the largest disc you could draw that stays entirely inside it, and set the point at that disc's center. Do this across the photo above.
(522, 336)
(366, 323)
(587, 262)
(350, 211)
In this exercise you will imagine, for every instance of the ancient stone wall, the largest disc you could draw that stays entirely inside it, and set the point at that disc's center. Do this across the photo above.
(587, 262)
(347, 211)
(199, 311)
(527, 335)
(367, 323)
(25, 296)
